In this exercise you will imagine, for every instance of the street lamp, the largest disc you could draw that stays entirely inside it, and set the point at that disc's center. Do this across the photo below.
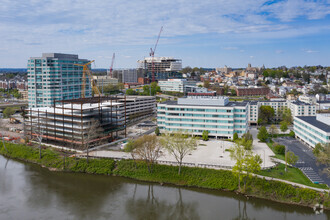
(264, 158)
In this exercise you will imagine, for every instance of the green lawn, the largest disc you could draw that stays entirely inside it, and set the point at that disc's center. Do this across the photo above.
(278, 156)
(293, 175)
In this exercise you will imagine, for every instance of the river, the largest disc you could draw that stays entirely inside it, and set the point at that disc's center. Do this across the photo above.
(28, 191)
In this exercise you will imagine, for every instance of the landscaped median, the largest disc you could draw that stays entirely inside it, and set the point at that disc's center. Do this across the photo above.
(195, 177)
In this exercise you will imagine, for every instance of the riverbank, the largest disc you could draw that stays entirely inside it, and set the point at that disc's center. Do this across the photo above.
(194, 177)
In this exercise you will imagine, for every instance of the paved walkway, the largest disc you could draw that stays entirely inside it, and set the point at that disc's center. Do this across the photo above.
(210, 153)
(292, 183)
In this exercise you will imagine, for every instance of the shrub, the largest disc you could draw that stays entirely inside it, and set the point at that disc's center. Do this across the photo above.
(292, 134)
(205, 135)
(235, 137)
(279, 149)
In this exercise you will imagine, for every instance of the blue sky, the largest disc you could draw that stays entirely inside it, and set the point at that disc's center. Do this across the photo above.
(208, 33)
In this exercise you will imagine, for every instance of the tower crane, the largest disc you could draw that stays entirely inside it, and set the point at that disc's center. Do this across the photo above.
(86, 71)
(111, 67)
(152, 54)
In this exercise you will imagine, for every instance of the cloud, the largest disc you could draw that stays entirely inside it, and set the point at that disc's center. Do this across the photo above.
(230, 48)
(103, 26)
(293, 9)
(310, 51)
(279, 51)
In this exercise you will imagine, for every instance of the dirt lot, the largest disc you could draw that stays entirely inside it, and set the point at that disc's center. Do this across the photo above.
(11, 129)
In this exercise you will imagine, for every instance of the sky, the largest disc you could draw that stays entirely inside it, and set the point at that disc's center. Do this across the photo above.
(207, 33)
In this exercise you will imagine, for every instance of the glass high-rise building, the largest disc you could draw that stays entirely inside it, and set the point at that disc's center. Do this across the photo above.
(55, 77)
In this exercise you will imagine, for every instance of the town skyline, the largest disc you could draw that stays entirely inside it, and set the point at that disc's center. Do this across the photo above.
(209, 34)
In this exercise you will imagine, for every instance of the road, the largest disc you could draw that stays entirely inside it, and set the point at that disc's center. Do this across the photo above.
(307, 161)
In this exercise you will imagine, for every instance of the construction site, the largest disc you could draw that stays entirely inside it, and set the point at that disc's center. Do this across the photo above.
(87, 122)
(83, 117)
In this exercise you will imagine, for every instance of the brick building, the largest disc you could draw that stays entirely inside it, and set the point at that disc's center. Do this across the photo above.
(251, 91)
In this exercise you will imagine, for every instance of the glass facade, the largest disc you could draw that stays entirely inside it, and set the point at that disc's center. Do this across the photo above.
(55, 78)
(309, 134)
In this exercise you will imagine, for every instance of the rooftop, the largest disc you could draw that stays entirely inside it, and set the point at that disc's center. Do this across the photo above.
(300, 103)
(312, 120)
(230, 104)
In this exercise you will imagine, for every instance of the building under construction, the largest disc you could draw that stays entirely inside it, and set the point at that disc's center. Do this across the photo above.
(164, 67)
(86, 122)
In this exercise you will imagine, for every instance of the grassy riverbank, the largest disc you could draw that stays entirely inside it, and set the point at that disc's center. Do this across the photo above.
(293, 174)
(196, 177)
(54, 160)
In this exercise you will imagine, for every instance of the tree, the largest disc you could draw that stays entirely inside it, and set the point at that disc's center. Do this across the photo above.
(205, 135)
(9, 111)
(206, 84)
(279, 149)
(245, 162)
(247, 136)
(292, 134)
(186, 70)
(151, 90)
(291, 158)
(252, 165)
(286, 115)
(238, 153)
(246, 143)
(131, 92)
(266, 114)
(3, 139)
(39, 135)
(262, 134)
(179, 145)
(273, 130)
(235, 137)
(148, 149)
(233, 92)
(93, 133)
(317, 149)
(284, 126)
(322, 153)
(157, 132)
(154, 88)
(131, 148)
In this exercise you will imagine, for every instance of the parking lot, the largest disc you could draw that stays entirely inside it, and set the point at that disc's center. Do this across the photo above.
(307, 162)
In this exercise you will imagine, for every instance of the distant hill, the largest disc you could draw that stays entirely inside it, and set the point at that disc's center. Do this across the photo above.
(13, 70)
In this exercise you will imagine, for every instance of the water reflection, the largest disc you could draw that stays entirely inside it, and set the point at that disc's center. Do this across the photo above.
(30, 192)
(153, 207)
(80, 194)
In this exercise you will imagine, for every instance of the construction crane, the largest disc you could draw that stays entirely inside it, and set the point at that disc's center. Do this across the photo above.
(111, 67)
(86, 71)
(152, 54)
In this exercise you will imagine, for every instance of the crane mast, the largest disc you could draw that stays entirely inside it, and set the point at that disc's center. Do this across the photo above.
(111, 67)
(86, 71)
(152, 54)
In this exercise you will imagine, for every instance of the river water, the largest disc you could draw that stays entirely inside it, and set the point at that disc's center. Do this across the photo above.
(30, 192)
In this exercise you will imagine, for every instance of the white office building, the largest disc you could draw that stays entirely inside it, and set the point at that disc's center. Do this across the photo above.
(309, 99)
(302, 109)
(253, 112)
(197, 114)
(175, 85)
(313, 129)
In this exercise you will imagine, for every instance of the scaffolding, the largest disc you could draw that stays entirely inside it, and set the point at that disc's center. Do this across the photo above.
(69, 122)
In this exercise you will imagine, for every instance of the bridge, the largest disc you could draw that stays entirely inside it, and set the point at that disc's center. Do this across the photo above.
(16, 104)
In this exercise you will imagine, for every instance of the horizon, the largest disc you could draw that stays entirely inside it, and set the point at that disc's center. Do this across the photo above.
(208, 34)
